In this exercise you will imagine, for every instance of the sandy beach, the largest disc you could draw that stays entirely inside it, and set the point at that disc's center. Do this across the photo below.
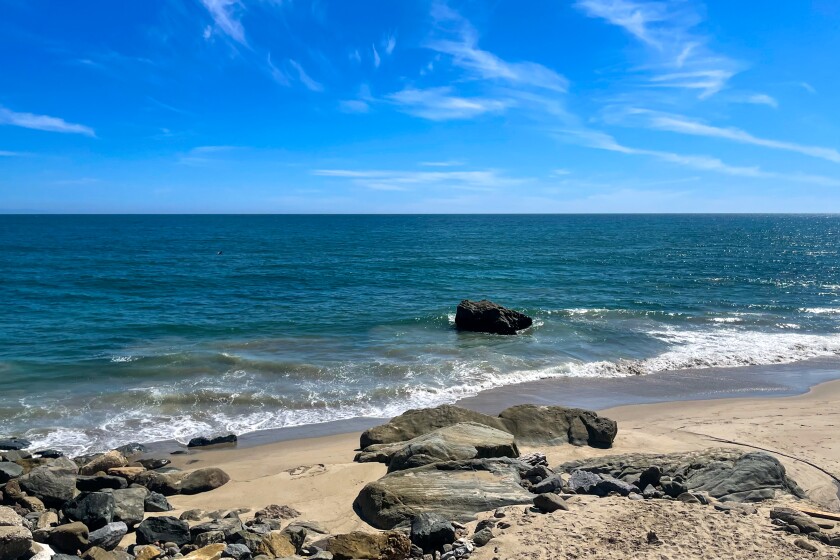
(317, 476)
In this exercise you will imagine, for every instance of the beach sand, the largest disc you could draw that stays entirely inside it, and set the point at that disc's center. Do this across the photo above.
(318, 477)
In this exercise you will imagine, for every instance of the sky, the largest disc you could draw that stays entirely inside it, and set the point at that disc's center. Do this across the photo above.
(419, 106)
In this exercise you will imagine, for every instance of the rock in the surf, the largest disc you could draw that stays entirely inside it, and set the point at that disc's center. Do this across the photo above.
(456, 490)
(488, 317)
(14, 443)
(215, 440)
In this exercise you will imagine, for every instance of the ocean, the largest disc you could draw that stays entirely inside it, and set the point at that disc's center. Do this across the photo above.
(149, 328)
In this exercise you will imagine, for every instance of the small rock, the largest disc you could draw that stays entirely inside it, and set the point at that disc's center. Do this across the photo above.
(550, 502)
(582, 482)
(805, 545)
(147, 552)
(163, 529)
(109, 536)
(499, 513)
(155, 502)
(275, 511)
(688, 498)
(210, 537)
(153, 463)
(483, 537)
(652, 538)
(209, 552)
(96, 553)
(217, 440)
(71, 537)
(193, 515)
(635, 497)
(431, 531)
(795, 518)
(109, 460)
(128, 473)
(237, 552)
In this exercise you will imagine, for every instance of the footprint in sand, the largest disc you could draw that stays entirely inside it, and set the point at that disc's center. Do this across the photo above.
(305, 471)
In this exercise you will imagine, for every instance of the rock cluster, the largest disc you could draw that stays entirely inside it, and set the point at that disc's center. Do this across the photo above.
(488, 317)
(51, 505)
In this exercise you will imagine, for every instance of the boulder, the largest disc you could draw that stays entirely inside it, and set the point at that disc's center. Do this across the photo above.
(237, 552)
(167, 484)
(581, 482)
(389, 545)
(14, 542)
(155, 502)
(129, 505)
(210, 552)
(163, 529)
(550, 502)
(69, 538)
(109, 536)
(417, 422)
(456, 490)
(795, 518)
(431, 531)
(95, 483)
(725, 474)
(210, 537)
(609, 484)
(102, 463)
(94, 510)
(277, 544)
(10, 444)
(466, 440)
(9, 471)
(203, 480)
(131, 449)
(488, 317)
(216, 440)
(53, 486)
(228, 527)
(555, 425)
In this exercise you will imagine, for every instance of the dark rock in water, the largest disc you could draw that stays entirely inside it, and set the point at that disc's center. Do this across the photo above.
(49, 454)
(416, 422)
(163, 529)
(9, 471)
(94, 510)
(203, 480)
(154, 463)
(431, 531)
(488, 317)
(455, 489)
(217, 440)
(69, 538)
(131, 449)
(390, 545)
(550, 502)
(109, 536)
(795, 518)
(9, 444)
(583, 481)
(155, 502)
(52, 486)
(95, 483)
(553, 425)
(129, 505)
(725, 474)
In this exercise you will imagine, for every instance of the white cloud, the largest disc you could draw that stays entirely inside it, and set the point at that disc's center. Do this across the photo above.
(201, 155)
(225, 16)
(304, 78)
(43, 122)
(7, 153)
(602, 141)
(376, 60)
(808, 87)
(392, 180)
(763, 99)
(679, 56)
(390, 44)
(439, 104)
(447, 163)
(277, 74)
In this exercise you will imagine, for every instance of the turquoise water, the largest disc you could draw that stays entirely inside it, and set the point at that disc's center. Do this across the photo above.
(119, 328)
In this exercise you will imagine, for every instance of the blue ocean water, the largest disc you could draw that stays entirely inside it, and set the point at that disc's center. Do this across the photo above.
(143, 328)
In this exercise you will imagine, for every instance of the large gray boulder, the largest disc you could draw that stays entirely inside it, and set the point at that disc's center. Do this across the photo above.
(488, 317)
(726, 474)
(52, 486)
(129, 505)
(457, 490)
(466, 440)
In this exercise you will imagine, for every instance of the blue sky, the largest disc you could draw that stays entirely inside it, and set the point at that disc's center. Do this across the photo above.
(419, 106)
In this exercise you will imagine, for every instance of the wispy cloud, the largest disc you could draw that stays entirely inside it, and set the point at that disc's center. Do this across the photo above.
(376, 58)
(602, 141)
(762, 99)
(225, 14)
(440, 104)
(304, 78)
(447, 163)
(483, 64)
(7, 153)
(390, 180)
(43, 122)
(390, 43)
(679, 56)
(202, 155)
(807, 87)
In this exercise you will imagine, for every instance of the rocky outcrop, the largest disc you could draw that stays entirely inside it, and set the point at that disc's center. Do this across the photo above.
(466, 440)
(488, 317)
(724, 474)
(529, 424)
(457, 490)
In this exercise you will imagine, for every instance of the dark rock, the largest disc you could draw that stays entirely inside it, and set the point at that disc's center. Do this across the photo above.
(550, 502)
(488, 317)
(535, 459)
(431, 531)
(129, 505)
(154, 463)
(237, 552)
(49, 453)
(155, 502)
(162, 530)
(53, 487)
(650, 492)
(69, 538)
(204, 480)
(456, 490)
(275, 511)
(229, 527)
(9, 471)
(95, 483)
(583, 481)
(650, 476)
(795, 518)
(673, 488)
(688, 498)
(131, 449)
(217, 440)
(109, 536)
(210, 537)
(482, 537)
(609, 484)
(550, 484)
(94, 510)
(167, 484)
(9, 444)
(550, 425)
(192, 515)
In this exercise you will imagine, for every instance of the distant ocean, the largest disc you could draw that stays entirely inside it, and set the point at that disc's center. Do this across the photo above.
(146, 328)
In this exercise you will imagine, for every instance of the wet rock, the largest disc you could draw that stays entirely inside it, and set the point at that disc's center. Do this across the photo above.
(155, 502)
(163, 529)
(456, 489)
(8, 444)
(203, 480)
(131, 449)
(14, 542)
(109, 460)
(488, 317)
(9, 471)
(389, 545)
(216, 440)
(69, 538)
(109, 536)
(431, 531)
(94, 510)
(550, 502)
